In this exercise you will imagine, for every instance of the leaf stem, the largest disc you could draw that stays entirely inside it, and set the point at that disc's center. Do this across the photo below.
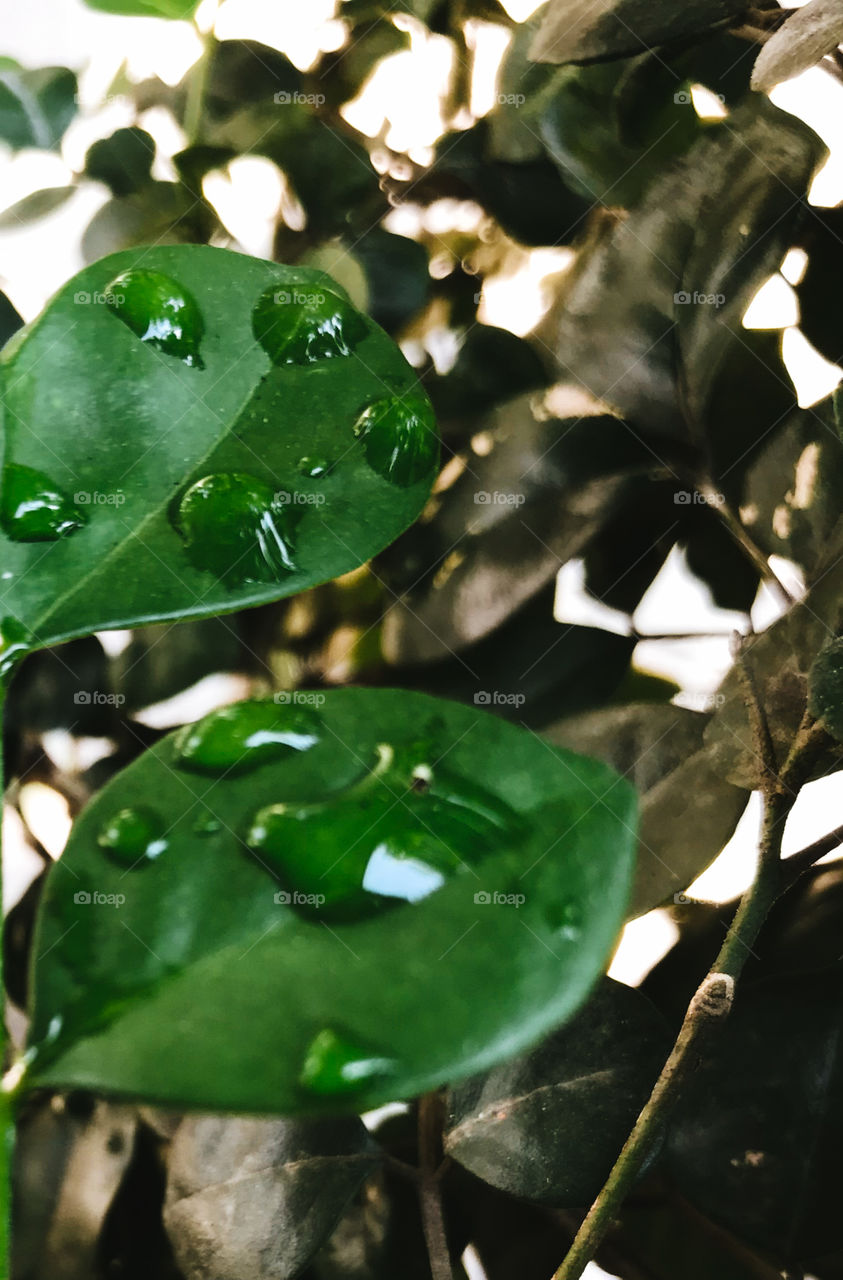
(713, 999)
(197, 88)
(430, 1195)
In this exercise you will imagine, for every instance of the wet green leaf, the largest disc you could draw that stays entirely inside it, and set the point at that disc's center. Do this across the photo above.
(379, 834)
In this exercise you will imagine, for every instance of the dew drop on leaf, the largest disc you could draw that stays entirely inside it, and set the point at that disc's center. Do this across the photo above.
(568, 924)
(315, 468)
(399, 438)
(334, 1064)
(245, 735)
(305, 323)
(159, 311)
(238, 528)
(133, 837)
(34, 509)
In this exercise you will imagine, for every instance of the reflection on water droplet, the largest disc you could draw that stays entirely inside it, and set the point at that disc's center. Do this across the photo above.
(236, 527)
(399, 438)
(315, 468)
(33, 509)
(305, 322)
(334, 1064)
(568, 922)
(246, 735)
(16, 641)
(133, 837)
(207, 825)
(160, 311)
(381, 843)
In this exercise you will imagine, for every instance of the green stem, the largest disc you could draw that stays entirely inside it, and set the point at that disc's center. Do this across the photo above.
(711, 1002)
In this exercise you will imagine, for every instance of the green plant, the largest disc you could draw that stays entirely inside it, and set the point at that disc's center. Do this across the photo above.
(395, 868)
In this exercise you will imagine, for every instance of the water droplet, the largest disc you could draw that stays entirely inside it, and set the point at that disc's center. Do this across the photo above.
(133, 836)
(160, 311)
(34, 509)
(359, 853)
(334, 1064)
(399, 437)
(207, 825)
(245, 735)
(16, 641)
(306, 321)
(567, 922)
(236, 527)
(315, 468)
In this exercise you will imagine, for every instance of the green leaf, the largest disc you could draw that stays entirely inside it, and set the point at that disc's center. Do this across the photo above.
(803, 39)
(146, 8)
(757, 1141)
(241, 1190)
(688, 811)
(35, 106)
(582, 30)
(123, 161)
(825, 688)
(328, 877)
(108, 437)
(549, 1124)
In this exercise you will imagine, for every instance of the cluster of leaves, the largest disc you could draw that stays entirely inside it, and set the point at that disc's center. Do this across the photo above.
(639, 416)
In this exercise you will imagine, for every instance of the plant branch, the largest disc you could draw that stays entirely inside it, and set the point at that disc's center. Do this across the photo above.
(197, 88)
(430, 1196)
(712, 1001)
(750, 548)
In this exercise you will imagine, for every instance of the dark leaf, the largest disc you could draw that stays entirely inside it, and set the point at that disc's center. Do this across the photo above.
(582, 30)
(38, 204)
(549, 1125)
(123, 161)
(825, 688)
(10, 321)
(802, 40)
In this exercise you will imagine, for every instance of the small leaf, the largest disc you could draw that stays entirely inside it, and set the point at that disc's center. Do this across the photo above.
(549, 1124)
(123, 161)
(147, 8)
(801, 41)
(378, 833)
(35, 106)
(173, 486)
(825, 688)
(38, 204)
(259, 1197)
(582, 30)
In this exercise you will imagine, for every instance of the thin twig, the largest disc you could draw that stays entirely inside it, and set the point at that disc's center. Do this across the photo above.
(430, 1195)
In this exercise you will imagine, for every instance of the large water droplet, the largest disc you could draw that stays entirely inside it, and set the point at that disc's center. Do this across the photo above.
(378, 845)
(33, 508)
(236, 527)
(133, 837)
(16, 641)
(160, 311)
(246, 735)
(334, 1064)
(399, 438)
(304, 322)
